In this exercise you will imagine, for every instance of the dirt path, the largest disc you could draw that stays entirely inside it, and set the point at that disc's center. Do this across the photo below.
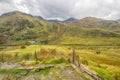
(82, 69)
(57, 72)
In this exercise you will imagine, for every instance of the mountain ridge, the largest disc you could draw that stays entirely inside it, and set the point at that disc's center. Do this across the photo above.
(92, 22)
(18, 27)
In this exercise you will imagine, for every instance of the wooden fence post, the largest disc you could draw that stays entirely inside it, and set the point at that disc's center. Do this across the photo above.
(73, 56)
(36, 58)
(2, 57)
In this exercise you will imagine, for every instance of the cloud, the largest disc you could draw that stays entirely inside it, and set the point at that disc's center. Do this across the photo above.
(63, 9)
(21, 5)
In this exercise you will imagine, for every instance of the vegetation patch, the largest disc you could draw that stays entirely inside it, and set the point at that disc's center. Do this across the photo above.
(54, 61)
(45, 71)
(13, 71)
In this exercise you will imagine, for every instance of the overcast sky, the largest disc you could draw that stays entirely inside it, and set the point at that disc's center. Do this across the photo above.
(63, 9)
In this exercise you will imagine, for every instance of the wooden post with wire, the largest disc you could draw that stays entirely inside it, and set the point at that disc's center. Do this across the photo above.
(73, 56)
(36, 58)
(2, 57)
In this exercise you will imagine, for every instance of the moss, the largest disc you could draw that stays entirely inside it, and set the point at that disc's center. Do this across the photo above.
(45, 71)
(13, 71)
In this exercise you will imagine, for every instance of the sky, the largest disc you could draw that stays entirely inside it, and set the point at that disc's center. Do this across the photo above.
(64, 9)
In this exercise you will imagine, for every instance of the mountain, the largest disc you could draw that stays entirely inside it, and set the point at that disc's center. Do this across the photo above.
(67, 20)
(118, 20)
(17, 26)
(20, 28)
(40, 17)
(70, 20)
(54, 20)
(91, 22)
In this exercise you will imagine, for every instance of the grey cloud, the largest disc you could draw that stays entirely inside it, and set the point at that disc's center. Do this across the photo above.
(6, 6)
(108, 9)
(5, 1)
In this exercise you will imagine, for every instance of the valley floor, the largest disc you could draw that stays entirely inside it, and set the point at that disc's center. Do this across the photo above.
(42, 72)
(104, 60)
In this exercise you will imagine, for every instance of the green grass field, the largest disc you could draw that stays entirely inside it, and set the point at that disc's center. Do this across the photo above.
(105, 60)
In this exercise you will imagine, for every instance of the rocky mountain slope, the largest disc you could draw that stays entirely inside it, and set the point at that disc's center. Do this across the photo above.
(19, 28)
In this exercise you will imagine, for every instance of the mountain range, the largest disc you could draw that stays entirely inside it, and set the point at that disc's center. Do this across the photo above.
(20, 28)
(67, 20)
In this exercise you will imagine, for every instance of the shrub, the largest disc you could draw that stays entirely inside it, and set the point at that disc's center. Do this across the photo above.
(27, 56)
(85, 62)
(53, 61)
(52, 51)
(45, 71)
(23, 47)
(58, 61)
(18, 39)
(98, 52)
(5, 57)
(45, 42)
(43, 50)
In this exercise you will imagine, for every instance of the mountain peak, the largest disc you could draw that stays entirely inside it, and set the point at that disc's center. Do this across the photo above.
(92, 18)
(70, 19)
(15, 13)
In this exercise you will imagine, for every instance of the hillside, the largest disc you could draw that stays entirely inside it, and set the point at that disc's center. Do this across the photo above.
(20, 28)
(70, 20)
(92, 31)
(32, 48)
(17, 26)
(91, 22)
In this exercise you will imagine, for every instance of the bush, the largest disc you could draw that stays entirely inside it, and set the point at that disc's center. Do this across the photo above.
(45, 71)
(23, 47)
(27, 56)
(18, 39)
(58, 61)
(5, 57)
(43, 50)
(85, 62)
(98, 52)
(45, 42)
(52, 51)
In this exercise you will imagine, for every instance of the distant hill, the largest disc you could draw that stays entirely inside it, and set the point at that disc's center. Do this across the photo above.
(54, 20)
(40, 17)
(20, 28)
(67, 20)
(118, 20)
(70, 20)
(91, 22)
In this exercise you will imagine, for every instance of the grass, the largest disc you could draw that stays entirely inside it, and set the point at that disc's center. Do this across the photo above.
(106, 63)
(102, 72)
(45, 71)
(23, 71)
(54, 61)
(30, 49)
(89, 40)
(13, 71)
